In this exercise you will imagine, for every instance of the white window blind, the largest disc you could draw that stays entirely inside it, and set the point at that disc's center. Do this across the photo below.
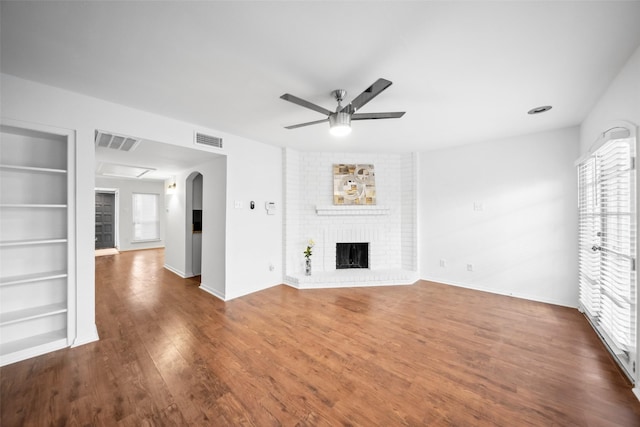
(146, 222)
(607, 230)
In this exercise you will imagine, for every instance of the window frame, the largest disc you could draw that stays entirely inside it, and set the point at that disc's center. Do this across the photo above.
(607, 247)
(136, 221)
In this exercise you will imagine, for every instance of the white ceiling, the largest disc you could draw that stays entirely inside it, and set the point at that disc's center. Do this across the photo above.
(463, 71)
(166, 161)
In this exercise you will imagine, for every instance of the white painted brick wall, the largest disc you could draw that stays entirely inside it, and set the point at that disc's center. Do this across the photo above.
(409, 229)
(309, 183)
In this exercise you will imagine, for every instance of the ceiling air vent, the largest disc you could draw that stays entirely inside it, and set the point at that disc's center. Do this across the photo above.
(115, 142)
(208, 140)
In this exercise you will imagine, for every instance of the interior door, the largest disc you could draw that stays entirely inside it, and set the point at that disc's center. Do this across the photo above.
(105, 220)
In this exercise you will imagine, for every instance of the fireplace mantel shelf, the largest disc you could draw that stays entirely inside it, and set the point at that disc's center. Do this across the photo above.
(353, 210)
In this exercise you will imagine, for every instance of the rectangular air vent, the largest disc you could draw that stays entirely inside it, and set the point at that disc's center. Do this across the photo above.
(208, 140)
(122, 171)
(115, 142)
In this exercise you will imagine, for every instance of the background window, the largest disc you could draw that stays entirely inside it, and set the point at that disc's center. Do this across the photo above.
(146, 222)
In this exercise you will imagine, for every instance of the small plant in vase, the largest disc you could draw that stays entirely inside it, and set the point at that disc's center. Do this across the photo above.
(307, 257)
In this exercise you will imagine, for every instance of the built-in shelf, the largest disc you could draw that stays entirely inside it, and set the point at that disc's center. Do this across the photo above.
(34, 345)
(32, 205)
(31, 278)
(31, 242)
(38, 242)
(31, 313)
(32, 169)
(353, 210)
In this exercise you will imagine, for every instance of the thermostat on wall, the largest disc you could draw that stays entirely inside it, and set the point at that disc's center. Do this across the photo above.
(270, 207)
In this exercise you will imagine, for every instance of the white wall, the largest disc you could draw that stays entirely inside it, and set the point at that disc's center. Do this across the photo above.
(620, 102)
(506, 207)
(253, 171)
(175, 218)
(126, 188)
(253, 238)
(214, 230)
(178, 250)
(241, 247)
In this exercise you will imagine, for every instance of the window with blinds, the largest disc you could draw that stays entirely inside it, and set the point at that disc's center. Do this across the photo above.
(146, 222)
(607, 246)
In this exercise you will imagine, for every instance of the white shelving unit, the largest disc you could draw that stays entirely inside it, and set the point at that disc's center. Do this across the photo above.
(37, 240)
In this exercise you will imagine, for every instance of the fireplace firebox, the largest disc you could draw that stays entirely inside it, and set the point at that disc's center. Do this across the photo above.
(352, 255)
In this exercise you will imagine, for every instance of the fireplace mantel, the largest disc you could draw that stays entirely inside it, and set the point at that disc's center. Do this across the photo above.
(352, 210)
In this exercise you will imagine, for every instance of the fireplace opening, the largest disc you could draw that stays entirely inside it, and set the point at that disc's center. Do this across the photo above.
(352, 255)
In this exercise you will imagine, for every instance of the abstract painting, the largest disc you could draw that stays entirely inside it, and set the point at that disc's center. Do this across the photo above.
(354, 184)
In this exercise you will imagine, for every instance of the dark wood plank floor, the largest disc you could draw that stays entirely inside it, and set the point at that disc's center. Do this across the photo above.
(428, 354)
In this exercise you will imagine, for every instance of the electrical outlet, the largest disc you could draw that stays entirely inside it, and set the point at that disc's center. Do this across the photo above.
(469, 267)
(443, 263)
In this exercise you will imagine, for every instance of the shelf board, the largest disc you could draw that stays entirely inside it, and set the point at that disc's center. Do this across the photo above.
(36, 345)
(32, 313)
(8, 243)
(32, 205)
(30, 278)
(32, 169)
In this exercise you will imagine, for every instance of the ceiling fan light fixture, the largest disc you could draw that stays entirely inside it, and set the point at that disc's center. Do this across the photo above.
(340, 124)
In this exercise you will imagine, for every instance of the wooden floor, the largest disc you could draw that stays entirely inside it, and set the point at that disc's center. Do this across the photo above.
(428, 354)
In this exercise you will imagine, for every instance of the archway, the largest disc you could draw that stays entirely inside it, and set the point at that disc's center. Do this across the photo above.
(193, 224)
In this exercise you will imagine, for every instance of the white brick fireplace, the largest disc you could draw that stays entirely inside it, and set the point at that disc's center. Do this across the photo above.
(389, 226)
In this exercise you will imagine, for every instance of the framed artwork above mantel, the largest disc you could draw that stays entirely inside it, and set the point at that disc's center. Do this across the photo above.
(354, 184)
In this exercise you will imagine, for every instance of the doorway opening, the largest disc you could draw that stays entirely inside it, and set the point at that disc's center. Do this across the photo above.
(194, 224)
(156, 161)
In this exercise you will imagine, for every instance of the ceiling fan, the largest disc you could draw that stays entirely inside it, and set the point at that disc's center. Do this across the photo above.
(340, 120)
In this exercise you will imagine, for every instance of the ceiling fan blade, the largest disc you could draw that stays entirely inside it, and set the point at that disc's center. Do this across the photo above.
(368, 94)
(306, 124)
(373, 116)
(306, 104)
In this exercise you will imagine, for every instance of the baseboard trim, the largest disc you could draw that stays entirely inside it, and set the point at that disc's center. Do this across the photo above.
(636, 391)
(140, 249)
(497, 292)
(213, 292)
(176, 271)
(86, 339)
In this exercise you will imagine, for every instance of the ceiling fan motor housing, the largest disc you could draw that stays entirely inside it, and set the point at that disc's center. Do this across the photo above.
(340, 119)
